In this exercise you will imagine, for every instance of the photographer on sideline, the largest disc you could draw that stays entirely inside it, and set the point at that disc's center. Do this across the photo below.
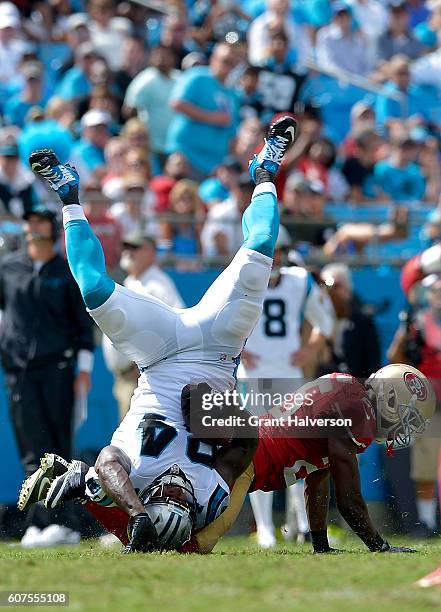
(418, 342)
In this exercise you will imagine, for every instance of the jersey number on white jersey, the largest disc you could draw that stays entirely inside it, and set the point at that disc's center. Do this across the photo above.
(274, 323)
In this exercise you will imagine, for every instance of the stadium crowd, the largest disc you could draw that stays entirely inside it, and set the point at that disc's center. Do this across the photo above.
(160, 105)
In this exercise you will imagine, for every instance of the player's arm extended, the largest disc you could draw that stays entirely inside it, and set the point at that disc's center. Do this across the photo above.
(205, 540)
(351, 505)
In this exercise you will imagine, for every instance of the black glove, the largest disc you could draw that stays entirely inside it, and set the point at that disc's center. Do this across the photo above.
(142, 535)
(396, 549)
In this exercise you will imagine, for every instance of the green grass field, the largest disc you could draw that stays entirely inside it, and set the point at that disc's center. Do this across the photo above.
(235, 578)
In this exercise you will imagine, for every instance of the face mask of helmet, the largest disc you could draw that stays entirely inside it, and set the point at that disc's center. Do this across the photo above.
(171, 504)
(397, 424)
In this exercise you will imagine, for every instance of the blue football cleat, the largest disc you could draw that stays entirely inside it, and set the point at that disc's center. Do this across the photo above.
(62, 178)
(281, 136)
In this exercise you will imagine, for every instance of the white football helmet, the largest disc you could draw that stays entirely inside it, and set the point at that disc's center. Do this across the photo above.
(405, 403)
(171, 504)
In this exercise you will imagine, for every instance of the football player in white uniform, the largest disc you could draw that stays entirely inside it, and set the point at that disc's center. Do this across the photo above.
(179, 480)
(272, 361)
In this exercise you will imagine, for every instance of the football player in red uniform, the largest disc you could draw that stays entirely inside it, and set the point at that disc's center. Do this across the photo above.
(338, 418)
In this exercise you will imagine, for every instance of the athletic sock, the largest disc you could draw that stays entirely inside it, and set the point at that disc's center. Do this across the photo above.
(263, 176)
(262, 505)
(427, 512)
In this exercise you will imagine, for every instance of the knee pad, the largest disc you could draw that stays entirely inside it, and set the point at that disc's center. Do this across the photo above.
(236, 321)
(254, 277)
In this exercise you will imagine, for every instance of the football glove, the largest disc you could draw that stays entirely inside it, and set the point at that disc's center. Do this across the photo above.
(142, 535)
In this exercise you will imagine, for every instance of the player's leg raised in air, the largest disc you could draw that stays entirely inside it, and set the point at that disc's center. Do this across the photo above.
(234, 301)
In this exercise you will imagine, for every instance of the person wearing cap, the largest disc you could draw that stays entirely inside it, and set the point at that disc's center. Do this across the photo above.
(17, 107)
(222, 230)
(417, 341)
(340, 46)
(274, 360)
(46, 346)
(17, 193)
(400, 176)
(149, 95)
(88, 153)
(398, 39)
(11, 46)
(295, 195)
(138, 259)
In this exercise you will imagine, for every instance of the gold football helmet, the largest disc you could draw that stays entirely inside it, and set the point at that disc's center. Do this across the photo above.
(405, 403)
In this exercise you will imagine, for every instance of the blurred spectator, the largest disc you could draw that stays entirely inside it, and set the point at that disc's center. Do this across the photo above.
(248, 136)
(182, 237)
(216, 19)
(318, 164)
(17, 195)
(399, 176)
(47, 134)
(137, 162)
(429, 161)
(418, 343)
(427, 70)
(222, 232)
(76, 82)
(312, 199)
(133, 60)
(358, 169)
(277, 15)
(295, 195)
(175, 36)
(12, 46)
(353, 237)
(175, 169)
(144, 276)
(135, 212)
(279, 85)
(107, 31)
(88, 152)
(398, 39)
(105, 227)
(205, 113)
(114, 154)
(31, 95)
(250, 99)
(44, 329)
(217, 188)
(362, 120)
(76, 33)
(61, 111)
(356, 348)
(149, 94)
(136, 135)
(341, 46)
(419, 11)
(371, 17)
(416, 100)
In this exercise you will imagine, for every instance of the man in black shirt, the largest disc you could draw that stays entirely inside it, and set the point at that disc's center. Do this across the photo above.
(44, 330)
(358, 170)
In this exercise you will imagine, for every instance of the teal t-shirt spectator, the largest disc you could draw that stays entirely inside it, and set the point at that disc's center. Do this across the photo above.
(74, 84)
(400, 183)
(16, 109)
(91, 155)
(203, 144)
(47, 134)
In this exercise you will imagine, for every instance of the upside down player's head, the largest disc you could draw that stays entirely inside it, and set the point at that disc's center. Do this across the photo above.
(405, 403)
(171, 505)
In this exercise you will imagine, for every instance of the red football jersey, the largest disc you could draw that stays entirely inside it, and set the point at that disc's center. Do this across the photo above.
(292, 448)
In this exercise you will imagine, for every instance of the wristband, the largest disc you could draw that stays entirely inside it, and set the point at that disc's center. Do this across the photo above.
(378, 544)
(319, 540)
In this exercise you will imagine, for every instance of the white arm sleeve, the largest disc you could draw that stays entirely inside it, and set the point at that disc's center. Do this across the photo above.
(317, 313)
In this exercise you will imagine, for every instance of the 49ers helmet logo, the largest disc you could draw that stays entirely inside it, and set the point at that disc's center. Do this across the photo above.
(415, 385)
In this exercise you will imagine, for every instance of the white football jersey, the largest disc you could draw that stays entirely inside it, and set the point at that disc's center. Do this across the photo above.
(153, 445)
(278, 332)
